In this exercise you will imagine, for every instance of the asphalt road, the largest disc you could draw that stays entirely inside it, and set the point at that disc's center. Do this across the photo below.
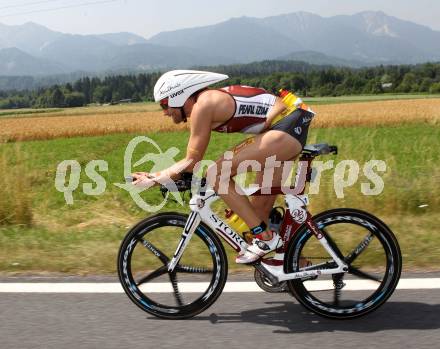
(410, 319)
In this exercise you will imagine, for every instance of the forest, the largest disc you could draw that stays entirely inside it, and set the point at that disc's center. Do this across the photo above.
(305, 79)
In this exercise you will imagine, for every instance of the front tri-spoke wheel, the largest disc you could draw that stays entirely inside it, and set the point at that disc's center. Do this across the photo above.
(193, 285)
(368, 248)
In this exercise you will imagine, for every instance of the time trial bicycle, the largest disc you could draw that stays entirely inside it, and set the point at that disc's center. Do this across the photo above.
(341, 263)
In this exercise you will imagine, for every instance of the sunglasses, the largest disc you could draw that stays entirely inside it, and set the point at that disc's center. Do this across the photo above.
(164, 103)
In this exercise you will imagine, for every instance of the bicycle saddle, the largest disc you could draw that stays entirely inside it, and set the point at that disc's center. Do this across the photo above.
(319, 149)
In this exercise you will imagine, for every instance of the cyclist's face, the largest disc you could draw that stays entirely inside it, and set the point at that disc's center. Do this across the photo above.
(174, 113)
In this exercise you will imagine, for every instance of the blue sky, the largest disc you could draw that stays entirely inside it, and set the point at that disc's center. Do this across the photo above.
(149, 17)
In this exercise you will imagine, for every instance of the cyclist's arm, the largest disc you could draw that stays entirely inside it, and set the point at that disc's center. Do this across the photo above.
(197, 144)
(200, 135)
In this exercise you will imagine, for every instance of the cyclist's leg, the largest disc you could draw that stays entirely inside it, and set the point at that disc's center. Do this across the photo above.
(263, 204)
(270, 143)
(296, 125)
(282, 142)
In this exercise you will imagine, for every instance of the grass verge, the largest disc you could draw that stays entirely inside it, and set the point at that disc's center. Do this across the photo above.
(93, 250)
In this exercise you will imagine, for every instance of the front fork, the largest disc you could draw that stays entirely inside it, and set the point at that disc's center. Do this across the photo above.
(190, 227)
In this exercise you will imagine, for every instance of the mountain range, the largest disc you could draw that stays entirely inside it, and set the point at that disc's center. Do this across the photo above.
(366, 38)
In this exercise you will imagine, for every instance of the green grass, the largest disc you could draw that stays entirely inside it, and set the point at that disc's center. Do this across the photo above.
(83, 238)
(27, 112)
(412, 174)
(93, 250)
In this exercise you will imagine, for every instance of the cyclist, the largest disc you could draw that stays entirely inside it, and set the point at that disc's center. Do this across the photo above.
(184, 94)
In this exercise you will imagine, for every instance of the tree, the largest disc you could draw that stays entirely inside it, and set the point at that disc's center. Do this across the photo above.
(75, 99)
(102, 94)
(385, 79)
(408, 84)
(425, 85)
(57, 98)
(435, 88)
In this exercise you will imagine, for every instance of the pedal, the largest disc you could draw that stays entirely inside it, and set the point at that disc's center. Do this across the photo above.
(338, 282)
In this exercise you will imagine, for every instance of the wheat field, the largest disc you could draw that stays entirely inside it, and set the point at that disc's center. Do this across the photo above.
(146, 118)
(378, 113)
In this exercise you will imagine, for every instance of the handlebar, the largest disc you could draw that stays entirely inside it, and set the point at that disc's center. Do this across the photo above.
(182, 184)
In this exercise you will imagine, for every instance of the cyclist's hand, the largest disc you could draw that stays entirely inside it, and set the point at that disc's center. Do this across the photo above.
(143, 179)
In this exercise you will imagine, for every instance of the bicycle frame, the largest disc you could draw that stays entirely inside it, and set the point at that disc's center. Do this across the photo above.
(296, 215)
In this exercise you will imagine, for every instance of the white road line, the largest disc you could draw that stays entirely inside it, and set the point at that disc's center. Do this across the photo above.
(233, 287)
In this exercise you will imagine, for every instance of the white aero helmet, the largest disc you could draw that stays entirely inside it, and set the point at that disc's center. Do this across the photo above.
(179, 85)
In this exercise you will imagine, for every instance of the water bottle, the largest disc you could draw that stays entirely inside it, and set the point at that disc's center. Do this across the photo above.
(292, 102)
(235, 222)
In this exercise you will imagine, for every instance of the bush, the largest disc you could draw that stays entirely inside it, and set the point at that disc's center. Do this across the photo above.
(435, 88)
(74, 99)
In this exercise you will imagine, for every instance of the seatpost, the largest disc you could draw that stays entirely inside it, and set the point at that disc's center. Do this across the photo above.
(303, 172)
